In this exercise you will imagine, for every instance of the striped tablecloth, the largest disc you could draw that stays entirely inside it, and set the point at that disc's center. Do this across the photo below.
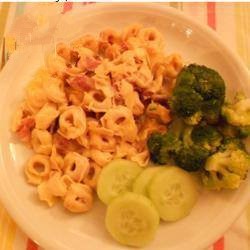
(230, 20)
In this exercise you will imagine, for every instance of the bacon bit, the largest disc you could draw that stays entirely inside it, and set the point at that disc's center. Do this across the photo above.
(64, 146)
(61, 143)
(81, 82)
(124, 46)
(92, 63)
(102, 46)
(25, 128)
(88, 63)
(74, 57)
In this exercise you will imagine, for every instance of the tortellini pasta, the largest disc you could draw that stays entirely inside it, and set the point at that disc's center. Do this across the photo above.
(76, 166)
(57, 185)
(78, 198)
(92, 177)
(45, 194)
(46, 115)
(72, 122)
(41, 141)
(56, 160)
(37, 169)
(120, 120)
(96, 99)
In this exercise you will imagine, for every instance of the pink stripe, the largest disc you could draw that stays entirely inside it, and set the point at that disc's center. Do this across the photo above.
(67, 7)
(219, 244)
(211, 14)
(31, 245)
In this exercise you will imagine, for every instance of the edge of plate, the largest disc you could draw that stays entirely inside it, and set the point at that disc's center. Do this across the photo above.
(27, 226)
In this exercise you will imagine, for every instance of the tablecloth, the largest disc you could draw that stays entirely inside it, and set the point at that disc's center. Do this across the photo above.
(230, 20)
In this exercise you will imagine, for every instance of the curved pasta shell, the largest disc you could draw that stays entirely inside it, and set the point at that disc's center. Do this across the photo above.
(79, 198)
(46, 115)
(72, 122)
(41, 141)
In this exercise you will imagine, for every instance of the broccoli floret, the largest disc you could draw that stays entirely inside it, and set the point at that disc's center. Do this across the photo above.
(199, 94)
(226, 169)
(210, 84)
(186, 136)
(177, 127)
(193, 119)
(155, 143)
(231, 144)
(177, 145)
(244, 131)
(206, 136)
(191, 158)
(227, 130)
(162, 146)
(211, 110)
(185, 102)
(237, 113)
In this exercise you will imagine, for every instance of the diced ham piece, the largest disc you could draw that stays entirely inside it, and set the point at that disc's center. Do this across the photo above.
(92, 63)
(25, 128)
(81, 82)
(88, 63)
(64, 146)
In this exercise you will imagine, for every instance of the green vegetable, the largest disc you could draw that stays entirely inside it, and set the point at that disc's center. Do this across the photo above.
(191, 158)
(237, 113)
(116, 178)
(174, 193)
(228, 167)
(206, 136)
(186, 137)
(132, 220)
(244, 131)
(141, 182)
(211, 110)
(176, 127)
(162, 146)
(199, 94)
(227, 130)
(231, 144)
(186, 103)
(193, 119)
(191, 155)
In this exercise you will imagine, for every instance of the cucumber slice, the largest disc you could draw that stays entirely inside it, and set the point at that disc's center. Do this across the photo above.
(116, 178)
(141, 182)
(132, 219)
(173, 192)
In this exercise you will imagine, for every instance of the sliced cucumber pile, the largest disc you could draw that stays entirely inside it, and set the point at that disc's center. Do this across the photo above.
(137, 198)
(141, 182)
(173, 192)
(132, 219)
(116, 178)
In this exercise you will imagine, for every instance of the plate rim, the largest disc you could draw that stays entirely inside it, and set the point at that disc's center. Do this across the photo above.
(6, 201)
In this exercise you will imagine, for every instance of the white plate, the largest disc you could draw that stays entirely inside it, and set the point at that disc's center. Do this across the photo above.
(55, 228)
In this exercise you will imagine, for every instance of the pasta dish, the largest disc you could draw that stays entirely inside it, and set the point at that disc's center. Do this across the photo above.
(97, 99)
